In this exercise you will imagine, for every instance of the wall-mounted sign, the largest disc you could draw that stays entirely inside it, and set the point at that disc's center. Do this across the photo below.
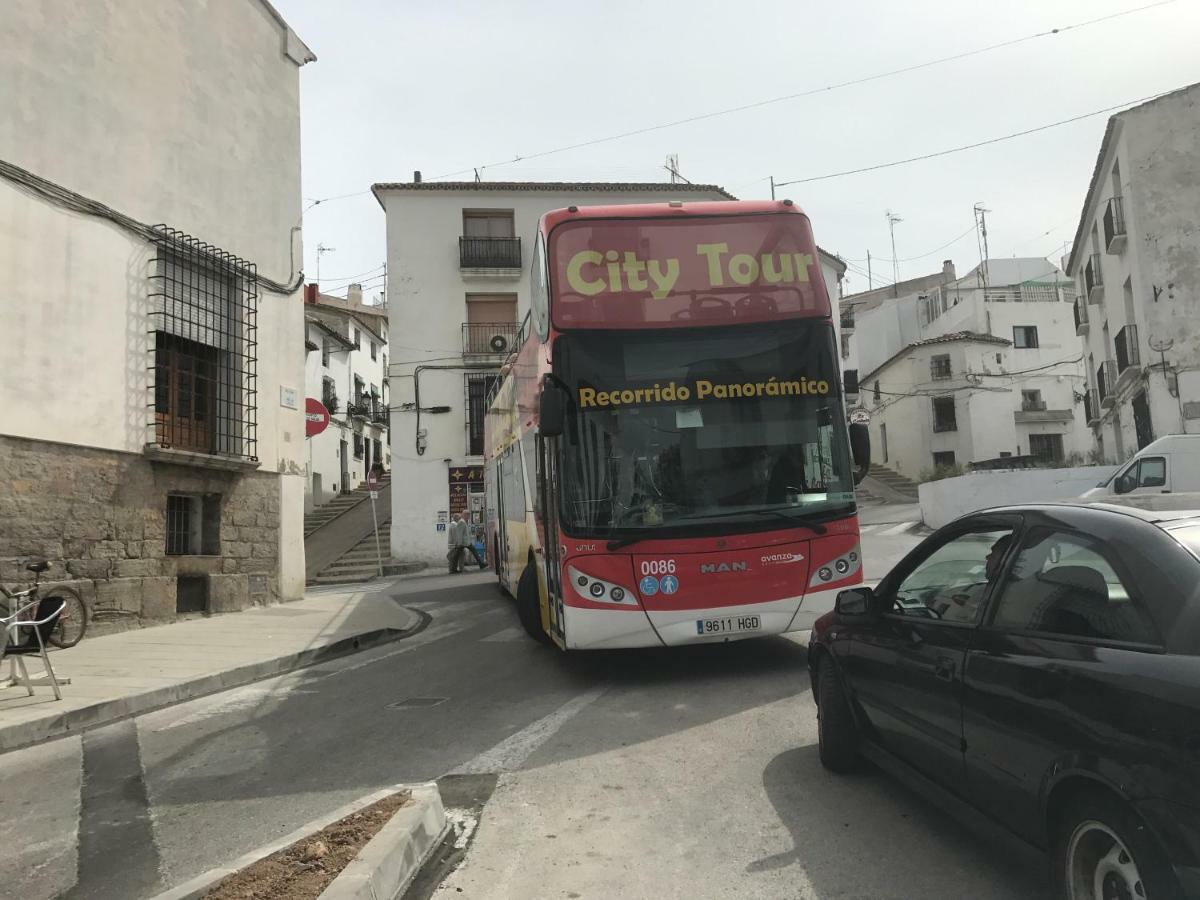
(860, 417)
(287, 397)
(316, 417)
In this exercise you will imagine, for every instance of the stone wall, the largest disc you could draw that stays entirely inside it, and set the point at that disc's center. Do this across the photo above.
(99, 518)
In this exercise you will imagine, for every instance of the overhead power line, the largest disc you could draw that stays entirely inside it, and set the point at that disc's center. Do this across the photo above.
(806, 93)
(977, 144)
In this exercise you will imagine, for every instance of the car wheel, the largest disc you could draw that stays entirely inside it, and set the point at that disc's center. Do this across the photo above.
(1103, 851)
(529, 605)
(837, 734)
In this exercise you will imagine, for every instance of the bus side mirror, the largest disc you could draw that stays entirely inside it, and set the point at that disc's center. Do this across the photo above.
(860, 449)
(552, 411)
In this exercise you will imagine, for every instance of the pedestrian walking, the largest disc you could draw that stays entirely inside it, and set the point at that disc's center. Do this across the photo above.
(457, 539)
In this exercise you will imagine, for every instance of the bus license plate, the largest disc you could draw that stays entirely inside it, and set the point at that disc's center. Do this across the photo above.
(728, 625)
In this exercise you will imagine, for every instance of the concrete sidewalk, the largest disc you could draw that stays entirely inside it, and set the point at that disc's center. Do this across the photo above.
(124, 674)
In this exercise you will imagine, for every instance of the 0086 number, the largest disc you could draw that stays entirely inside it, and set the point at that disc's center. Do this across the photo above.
(658, 567)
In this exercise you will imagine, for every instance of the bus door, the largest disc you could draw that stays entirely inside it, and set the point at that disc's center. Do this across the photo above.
(502, 463)
(548, 500)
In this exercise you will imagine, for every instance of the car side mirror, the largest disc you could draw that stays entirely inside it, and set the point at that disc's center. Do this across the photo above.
(552, 410)
(855, 602)
(860, 450)
(1125, 483)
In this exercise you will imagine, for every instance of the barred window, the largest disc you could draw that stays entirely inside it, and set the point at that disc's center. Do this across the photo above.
(204, 319)
(478, 387)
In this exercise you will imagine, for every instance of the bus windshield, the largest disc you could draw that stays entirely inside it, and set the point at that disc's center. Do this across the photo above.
(703, 430)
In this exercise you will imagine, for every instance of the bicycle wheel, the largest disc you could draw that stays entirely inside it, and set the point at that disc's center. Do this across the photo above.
(72, 623)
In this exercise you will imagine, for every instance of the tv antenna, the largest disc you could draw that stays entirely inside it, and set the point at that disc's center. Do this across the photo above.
(892, 219)
(322, 249)
(1161, 346)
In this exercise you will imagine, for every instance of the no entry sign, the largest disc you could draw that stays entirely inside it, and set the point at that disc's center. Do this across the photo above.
(316, 417)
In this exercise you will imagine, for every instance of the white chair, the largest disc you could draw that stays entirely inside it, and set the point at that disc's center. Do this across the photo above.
(33, 641)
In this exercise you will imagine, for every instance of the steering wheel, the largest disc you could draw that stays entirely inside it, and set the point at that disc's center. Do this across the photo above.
(756, 304)
(703, 308)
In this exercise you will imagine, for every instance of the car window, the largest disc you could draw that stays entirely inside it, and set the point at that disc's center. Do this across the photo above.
(1065, 584)
(951, 582)
(1152, 472)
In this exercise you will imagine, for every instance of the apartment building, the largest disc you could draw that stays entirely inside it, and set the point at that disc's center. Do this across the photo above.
(346, 360)
(993, 375)
(458, 255)
(152, 445)
(1136, 260)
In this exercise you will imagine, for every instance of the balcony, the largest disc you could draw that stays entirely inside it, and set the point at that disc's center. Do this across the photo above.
(1128, 355)
(847, 318)
(359, 410)
(1093, 279)
(1114, 226)
(1106, 383)
(503, 253)
(1081, 317)
(496, 339)
(1037, 414)
(1091, 407)
(330, 401)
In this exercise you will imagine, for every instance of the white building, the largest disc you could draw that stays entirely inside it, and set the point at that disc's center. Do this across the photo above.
(1136, 259)
(994, 372)
(458, 289)
(346, 359)
(153, 433)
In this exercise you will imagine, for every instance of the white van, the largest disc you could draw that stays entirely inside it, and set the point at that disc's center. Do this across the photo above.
(1170, 465)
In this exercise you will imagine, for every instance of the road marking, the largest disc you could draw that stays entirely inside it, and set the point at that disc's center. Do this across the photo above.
(237, 700)
(511, 753)
(508, 634)
(863, 529)
(899, 529)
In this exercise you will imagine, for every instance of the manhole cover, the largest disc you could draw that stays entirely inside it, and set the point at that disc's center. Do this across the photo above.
(417, 702)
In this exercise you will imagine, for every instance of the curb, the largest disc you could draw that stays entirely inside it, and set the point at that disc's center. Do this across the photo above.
(393, 854)
(14, 737)
(390, 861)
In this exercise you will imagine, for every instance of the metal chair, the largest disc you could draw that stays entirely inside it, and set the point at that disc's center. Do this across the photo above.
(38, 631)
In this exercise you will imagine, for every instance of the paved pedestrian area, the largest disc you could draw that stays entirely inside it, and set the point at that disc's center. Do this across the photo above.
(134, 671)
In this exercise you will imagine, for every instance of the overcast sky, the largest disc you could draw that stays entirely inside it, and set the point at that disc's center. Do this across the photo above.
(445, 86)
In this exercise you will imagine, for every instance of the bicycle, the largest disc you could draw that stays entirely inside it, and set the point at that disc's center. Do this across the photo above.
(72, 623)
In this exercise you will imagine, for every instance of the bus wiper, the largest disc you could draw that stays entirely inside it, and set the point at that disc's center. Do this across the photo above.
(814, 526)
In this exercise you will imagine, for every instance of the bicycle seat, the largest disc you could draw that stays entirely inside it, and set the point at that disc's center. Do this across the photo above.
(38, 567)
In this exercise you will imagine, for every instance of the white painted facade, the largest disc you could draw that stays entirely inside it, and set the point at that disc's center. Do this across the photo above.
(184, 114)
(1136, 260)
(337, 462)
(427, 300)
(1008, 399)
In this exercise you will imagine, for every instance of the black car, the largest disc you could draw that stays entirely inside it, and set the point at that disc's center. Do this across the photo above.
(1040, 664)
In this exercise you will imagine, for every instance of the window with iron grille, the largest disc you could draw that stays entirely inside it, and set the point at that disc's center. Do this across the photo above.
(193, 525)
(944, 417)
(1046, 447)
(358, 446)
(479, 386)
(374, 350)
(357, 339)
(329, 395)
(203, 315)
(939, 366)
(943, 458)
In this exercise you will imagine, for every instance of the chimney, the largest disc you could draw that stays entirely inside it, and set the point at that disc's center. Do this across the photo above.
(311, 292)
(417, 176)
(354, 295)
(948, 269)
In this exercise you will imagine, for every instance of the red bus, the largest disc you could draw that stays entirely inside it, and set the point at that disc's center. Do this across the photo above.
(667, 454)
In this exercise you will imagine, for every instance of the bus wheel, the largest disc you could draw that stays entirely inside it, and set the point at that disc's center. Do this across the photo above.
(528, 605)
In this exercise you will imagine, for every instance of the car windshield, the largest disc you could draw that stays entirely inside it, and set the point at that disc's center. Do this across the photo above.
(681, 430)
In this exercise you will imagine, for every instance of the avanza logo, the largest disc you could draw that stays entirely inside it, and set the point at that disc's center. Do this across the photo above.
(779, 559)
(713, 568)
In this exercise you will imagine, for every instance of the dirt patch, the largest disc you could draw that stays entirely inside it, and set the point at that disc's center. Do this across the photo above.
(303, 870)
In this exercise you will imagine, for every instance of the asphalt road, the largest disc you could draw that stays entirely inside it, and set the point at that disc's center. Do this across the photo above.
(688, 772)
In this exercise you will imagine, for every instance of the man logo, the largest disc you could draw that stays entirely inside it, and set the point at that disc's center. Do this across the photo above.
(713, 568)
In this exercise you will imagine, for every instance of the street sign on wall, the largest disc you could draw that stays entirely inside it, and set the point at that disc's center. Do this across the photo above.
(316, 417)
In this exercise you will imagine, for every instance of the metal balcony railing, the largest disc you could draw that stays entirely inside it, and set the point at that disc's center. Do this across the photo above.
(1081, 316)
(1127, 348)
(1093, 279)
(489, 252)
(847, 318)
(330, 401)
(1114, 226)
(1106, 381)
(1033, 406)
(490, 338)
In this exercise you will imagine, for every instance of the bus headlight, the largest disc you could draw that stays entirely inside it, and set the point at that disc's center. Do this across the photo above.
(597, 589)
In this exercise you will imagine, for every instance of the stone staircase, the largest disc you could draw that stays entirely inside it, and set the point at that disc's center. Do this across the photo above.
(894, 480)
(361, 562)
(326, 513)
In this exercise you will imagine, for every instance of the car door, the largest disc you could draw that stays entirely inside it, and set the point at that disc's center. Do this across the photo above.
(1059, 675)
(1148, 475)
(905, 666)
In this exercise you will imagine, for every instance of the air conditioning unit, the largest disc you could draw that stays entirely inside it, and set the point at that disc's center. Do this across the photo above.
(498, 343)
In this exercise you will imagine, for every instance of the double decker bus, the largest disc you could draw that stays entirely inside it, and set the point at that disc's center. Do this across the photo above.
(667, 456)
